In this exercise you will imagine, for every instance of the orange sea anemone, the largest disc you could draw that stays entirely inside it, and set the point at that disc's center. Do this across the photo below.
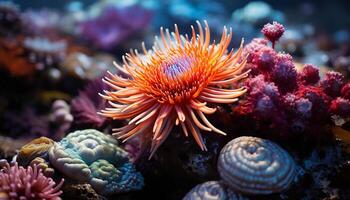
(172, 85)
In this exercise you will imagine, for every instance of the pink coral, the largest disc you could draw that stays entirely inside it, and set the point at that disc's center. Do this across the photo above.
(273, 32)
(20, 183)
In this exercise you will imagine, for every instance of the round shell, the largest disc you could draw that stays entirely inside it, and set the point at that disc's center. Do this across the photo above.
(256, 166)
(212, 190)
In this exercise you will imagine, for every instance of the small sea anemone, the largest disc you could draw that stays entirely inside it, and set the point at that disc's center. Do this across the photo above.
(30, 183)
(173, 84)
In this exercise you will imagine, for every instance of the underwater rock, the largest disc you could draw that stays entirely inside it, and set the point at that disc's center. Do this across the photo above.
(92, 157)
(80, 192)
(212, 190)
(28, 183)
(255, 166)
(35, 148)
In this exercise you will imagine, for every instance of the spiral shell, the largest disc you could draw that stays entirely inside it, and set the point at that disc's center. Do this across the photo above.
(212, 190)
(255, 166)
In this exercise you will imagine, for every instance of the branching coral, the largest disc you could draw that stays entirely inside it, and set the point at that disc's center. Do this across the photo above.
(30, 183)
(93, 157)
(173, 84)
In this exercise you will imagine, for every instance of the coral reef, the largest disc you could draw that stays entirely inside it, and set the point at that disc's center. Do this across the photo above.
(92, 157)
(113, 25)
(212, 190)
(43, 52)
(80, 65)
(255, 166)
(85, 106)
(172, 85)
(35, 148)
(30, 183)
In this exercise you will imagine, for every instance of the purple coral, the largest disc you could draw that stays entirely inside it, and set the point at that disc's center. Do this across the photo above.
(84, 107)
(114, 25)
(273, 32)
(30, 183)
(285, 74)
(332, 83)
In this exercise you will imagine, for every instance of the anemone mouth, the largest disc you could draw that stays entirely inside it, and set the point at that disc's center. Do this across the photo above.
(177, 67)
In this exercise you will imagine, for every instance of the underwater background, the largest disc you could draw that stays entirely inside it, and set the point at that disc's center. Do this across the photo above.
(135, 99)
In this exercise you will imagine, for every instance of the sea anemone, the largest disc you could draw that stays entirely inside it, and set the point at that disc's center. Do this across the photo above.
(30, 183)
(173, 84)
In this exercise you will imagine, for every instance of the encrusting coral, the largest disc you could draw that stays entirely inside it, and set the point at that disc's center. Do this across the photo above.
(35, 148)
(256, 166)
(173, 85)
(27, 183)
(89, 156)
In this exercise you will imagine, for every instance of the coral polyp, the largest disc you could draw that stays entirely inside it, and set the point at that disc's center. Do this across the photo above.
(173, 84)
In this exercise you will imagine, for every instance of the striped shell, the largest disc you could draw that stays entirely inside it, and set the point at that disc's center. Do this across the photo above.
(256, 166)
(211, 190)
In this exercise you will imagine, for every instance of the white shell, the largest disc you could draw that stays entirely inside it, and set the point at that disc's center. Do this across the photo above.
(256, 166)
(212, 190)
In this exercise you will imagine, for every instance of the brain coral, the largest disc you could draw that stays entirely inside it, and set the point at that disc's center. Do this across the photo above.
(93, 157)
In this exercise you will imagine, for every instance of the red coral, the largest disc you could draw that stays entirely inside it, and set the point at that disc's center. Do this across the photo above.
(309, 74)
(340, 106)
(345, 91)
